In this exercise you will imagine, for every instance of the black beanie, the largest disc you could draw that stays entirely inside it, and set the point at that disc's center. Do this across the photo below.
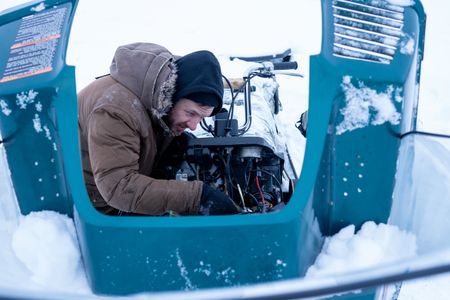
(200, 80)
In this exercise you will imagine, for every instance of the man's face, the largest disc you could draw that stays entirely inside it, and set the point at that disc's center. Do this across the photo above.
(187, 114)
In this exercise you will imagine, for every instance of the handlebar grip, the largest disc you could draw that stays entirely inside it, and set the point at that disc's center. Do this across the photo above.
(287, 65)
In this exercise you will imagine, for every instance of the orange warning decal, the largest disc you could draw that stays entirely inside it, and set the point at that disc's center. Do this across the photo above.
(28, 43)
(10, 78)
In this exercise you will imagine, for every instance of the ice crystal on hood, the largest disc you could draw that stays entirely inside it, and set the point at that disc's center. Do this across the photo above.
(366, 106)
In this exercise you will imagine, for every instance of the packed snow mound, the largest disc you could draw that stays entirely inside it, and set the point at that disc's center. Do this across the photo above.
(55, 259)
(372, 245)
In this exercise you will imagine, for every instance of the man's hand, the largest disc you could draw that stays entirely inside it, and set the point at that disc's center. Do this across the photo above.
(214, 202)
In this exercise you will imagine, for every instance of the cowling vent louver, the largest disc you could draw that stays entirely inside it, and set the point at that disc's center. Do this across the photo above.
(367, 30)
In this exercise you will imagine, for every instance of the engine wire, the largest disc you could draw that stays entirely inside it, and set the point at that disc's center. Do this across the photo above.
(260, 193)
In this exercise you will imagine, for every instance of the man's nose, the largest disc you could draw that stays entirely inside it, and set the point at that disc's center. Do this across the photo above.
(192, 124)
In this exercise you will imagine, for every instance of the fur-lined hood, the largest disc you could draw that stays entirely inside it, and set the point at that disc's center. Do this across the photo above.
(149, 71)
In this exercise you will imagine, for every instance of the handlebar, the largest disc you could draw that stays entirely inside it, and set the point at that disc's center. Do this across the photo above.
(273, 66)
(287, 65)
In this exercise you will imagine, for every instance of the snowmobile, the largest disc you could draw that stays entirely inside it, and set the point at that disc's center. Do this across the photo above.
(369, 47)
(241, 152)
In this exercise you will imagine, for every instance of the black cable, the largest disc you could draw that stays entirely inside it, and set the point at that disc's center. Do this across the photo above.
(233, 98)
(272, 175)
(247, 175)
(231, 185)
(276, 180)
(192, 169)
(235, 92)
(231, 111)
(208, 128)
(247, 89)
(254, 199)
(433, 134)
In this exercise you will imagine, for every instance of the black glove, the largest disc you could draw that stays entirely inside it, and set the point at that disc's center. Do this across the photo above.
(214, 202)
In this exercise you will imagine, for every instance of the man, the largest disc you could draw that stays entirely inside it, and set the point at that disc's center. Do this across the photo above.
(127, 120)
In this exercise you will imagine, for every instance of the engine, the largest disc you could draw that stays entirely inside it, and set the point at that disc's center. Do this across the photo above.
(242, 152)
(245, 168)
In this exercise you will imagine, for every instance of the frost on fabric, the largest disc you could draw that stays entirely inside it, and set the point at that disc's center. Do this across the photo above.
(365, 106)
(372, 245)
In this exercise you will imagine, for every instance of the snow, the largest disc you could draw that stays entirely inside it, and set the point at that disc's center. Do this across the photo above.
(426, 212)
(39, 7)
(402, 2)
(55, 260)
(407, 45)
(4, 106)
(362, 101)
(25, 98)
(40, 252)
(9, 209)
(352, 251)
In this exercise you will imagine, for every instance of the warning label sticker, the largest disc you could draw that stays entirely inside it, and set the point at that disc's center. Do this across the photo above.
(34, 47)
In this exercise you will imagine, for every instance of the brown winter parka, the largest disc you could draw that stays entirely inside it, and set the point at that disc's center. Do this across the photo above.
(123, 135)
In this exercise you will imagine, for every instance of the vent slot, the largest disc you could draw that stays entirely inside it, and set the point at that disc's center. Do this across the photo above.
(367, 30)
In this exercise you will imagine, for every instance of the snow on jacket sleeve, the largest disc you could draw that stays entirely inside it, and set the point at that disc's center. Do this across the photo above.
(114, 143)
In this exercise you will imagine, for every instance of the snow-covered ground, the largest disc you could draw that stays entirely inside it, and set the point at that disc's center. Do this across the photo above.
(40, 251)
